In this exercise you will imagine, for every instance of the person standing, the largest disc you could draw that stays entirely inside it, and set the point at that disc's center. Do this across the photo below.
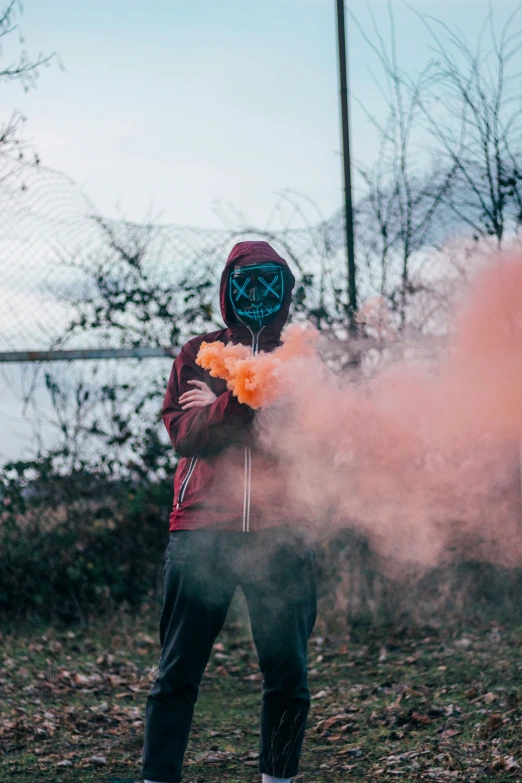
(232, 524)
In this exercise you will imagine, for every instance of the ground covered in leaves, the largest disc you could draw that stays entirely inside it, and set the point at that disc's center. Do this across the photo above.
(412, 706)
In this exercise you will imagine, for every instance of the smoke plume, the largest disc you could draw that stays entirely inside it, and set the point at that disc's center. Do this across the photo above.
(261, 379)
(422, 458)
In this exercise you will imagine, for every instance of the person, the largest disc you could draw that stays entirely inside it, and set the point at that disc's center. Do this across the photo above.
(232, 524)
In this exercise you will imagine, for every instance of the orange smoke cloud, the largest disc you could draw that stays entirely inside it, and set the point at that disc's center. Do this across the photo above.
(422, 458)
(258, 380)
(486, 364)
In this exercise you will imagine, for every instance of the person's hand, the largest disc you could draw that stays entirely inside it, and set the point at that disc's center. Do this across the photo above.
(197, 398)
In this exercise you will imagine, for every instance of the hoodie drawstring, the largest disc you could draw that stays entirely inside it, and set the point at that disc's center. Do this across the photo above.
(248, 453)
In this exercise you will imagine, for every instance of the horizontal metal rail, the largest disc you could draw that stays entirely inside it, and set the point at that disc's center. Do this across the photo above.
(102, 353)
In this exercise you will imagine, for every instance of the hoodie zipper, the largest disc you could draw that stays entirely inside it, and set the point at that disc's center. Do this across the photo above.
(184, 483)
(248, 454)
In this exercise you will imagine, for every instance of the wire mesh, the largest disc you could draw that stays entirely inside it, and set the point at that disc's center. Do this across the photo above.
(53, 244)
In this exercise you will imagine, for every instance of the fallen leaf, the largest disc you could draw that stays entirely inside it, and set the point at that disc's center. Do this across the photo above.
(320, 694)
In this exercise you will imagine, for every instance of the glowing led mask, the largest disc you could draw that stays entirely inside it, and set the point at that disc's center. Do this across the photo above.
(256, 293)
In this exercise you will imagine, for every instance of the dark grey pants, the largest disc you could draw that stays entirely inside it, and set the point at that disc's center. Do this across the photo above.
(203, 568)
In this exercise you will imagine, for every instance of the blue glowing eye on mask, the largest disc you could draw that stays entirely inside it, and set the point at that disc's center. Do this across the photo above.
(256, 293)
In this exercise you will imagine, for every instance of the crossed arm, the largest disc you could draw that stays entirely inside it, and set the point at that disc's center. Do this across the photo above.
(197, 398)
(200, 423)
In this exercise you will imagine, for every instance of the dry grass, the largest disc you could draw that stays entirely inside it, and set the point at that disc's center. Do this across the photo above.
(430, 706)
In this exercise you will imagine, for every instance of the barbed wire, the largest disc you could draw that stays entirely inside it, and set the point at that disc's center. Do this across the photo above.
(52, 242)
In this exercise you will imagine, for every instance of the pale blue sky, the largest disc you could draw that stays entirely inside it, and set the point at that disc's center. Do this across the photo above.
(175, 103)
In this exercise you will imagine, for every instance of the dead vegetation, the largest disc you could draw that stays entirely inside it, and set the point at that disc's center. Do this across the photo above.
(430, 705)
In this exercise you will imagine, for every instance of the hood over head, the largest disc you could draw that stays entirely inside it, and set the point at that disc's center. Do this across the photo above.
(244, 254)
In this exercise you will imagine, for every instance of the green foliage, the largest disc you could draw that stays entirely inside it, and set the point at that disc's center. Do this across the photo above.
(81, 544)
(75, 544)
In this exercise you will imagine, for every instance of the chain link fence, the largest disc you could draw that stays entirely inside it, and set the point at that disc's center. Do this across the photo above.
(97, 469)
(53, 244)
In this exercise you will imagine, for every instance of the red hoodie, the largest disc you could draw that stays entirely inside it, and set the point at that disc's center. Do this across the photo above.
(223, 479)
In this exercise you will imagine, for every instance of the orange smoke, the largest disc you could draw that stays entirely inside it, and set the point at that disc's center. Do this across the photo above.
(486, 364)
(423, 458)
(258, 380)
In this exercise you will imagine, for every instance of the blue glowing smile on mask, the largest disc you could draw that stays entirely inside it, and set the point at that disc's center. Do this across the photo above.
(256, 293)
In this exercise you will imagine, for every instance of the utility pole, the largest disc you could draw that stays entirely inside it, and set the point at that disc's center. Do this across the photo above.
(348, 208)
